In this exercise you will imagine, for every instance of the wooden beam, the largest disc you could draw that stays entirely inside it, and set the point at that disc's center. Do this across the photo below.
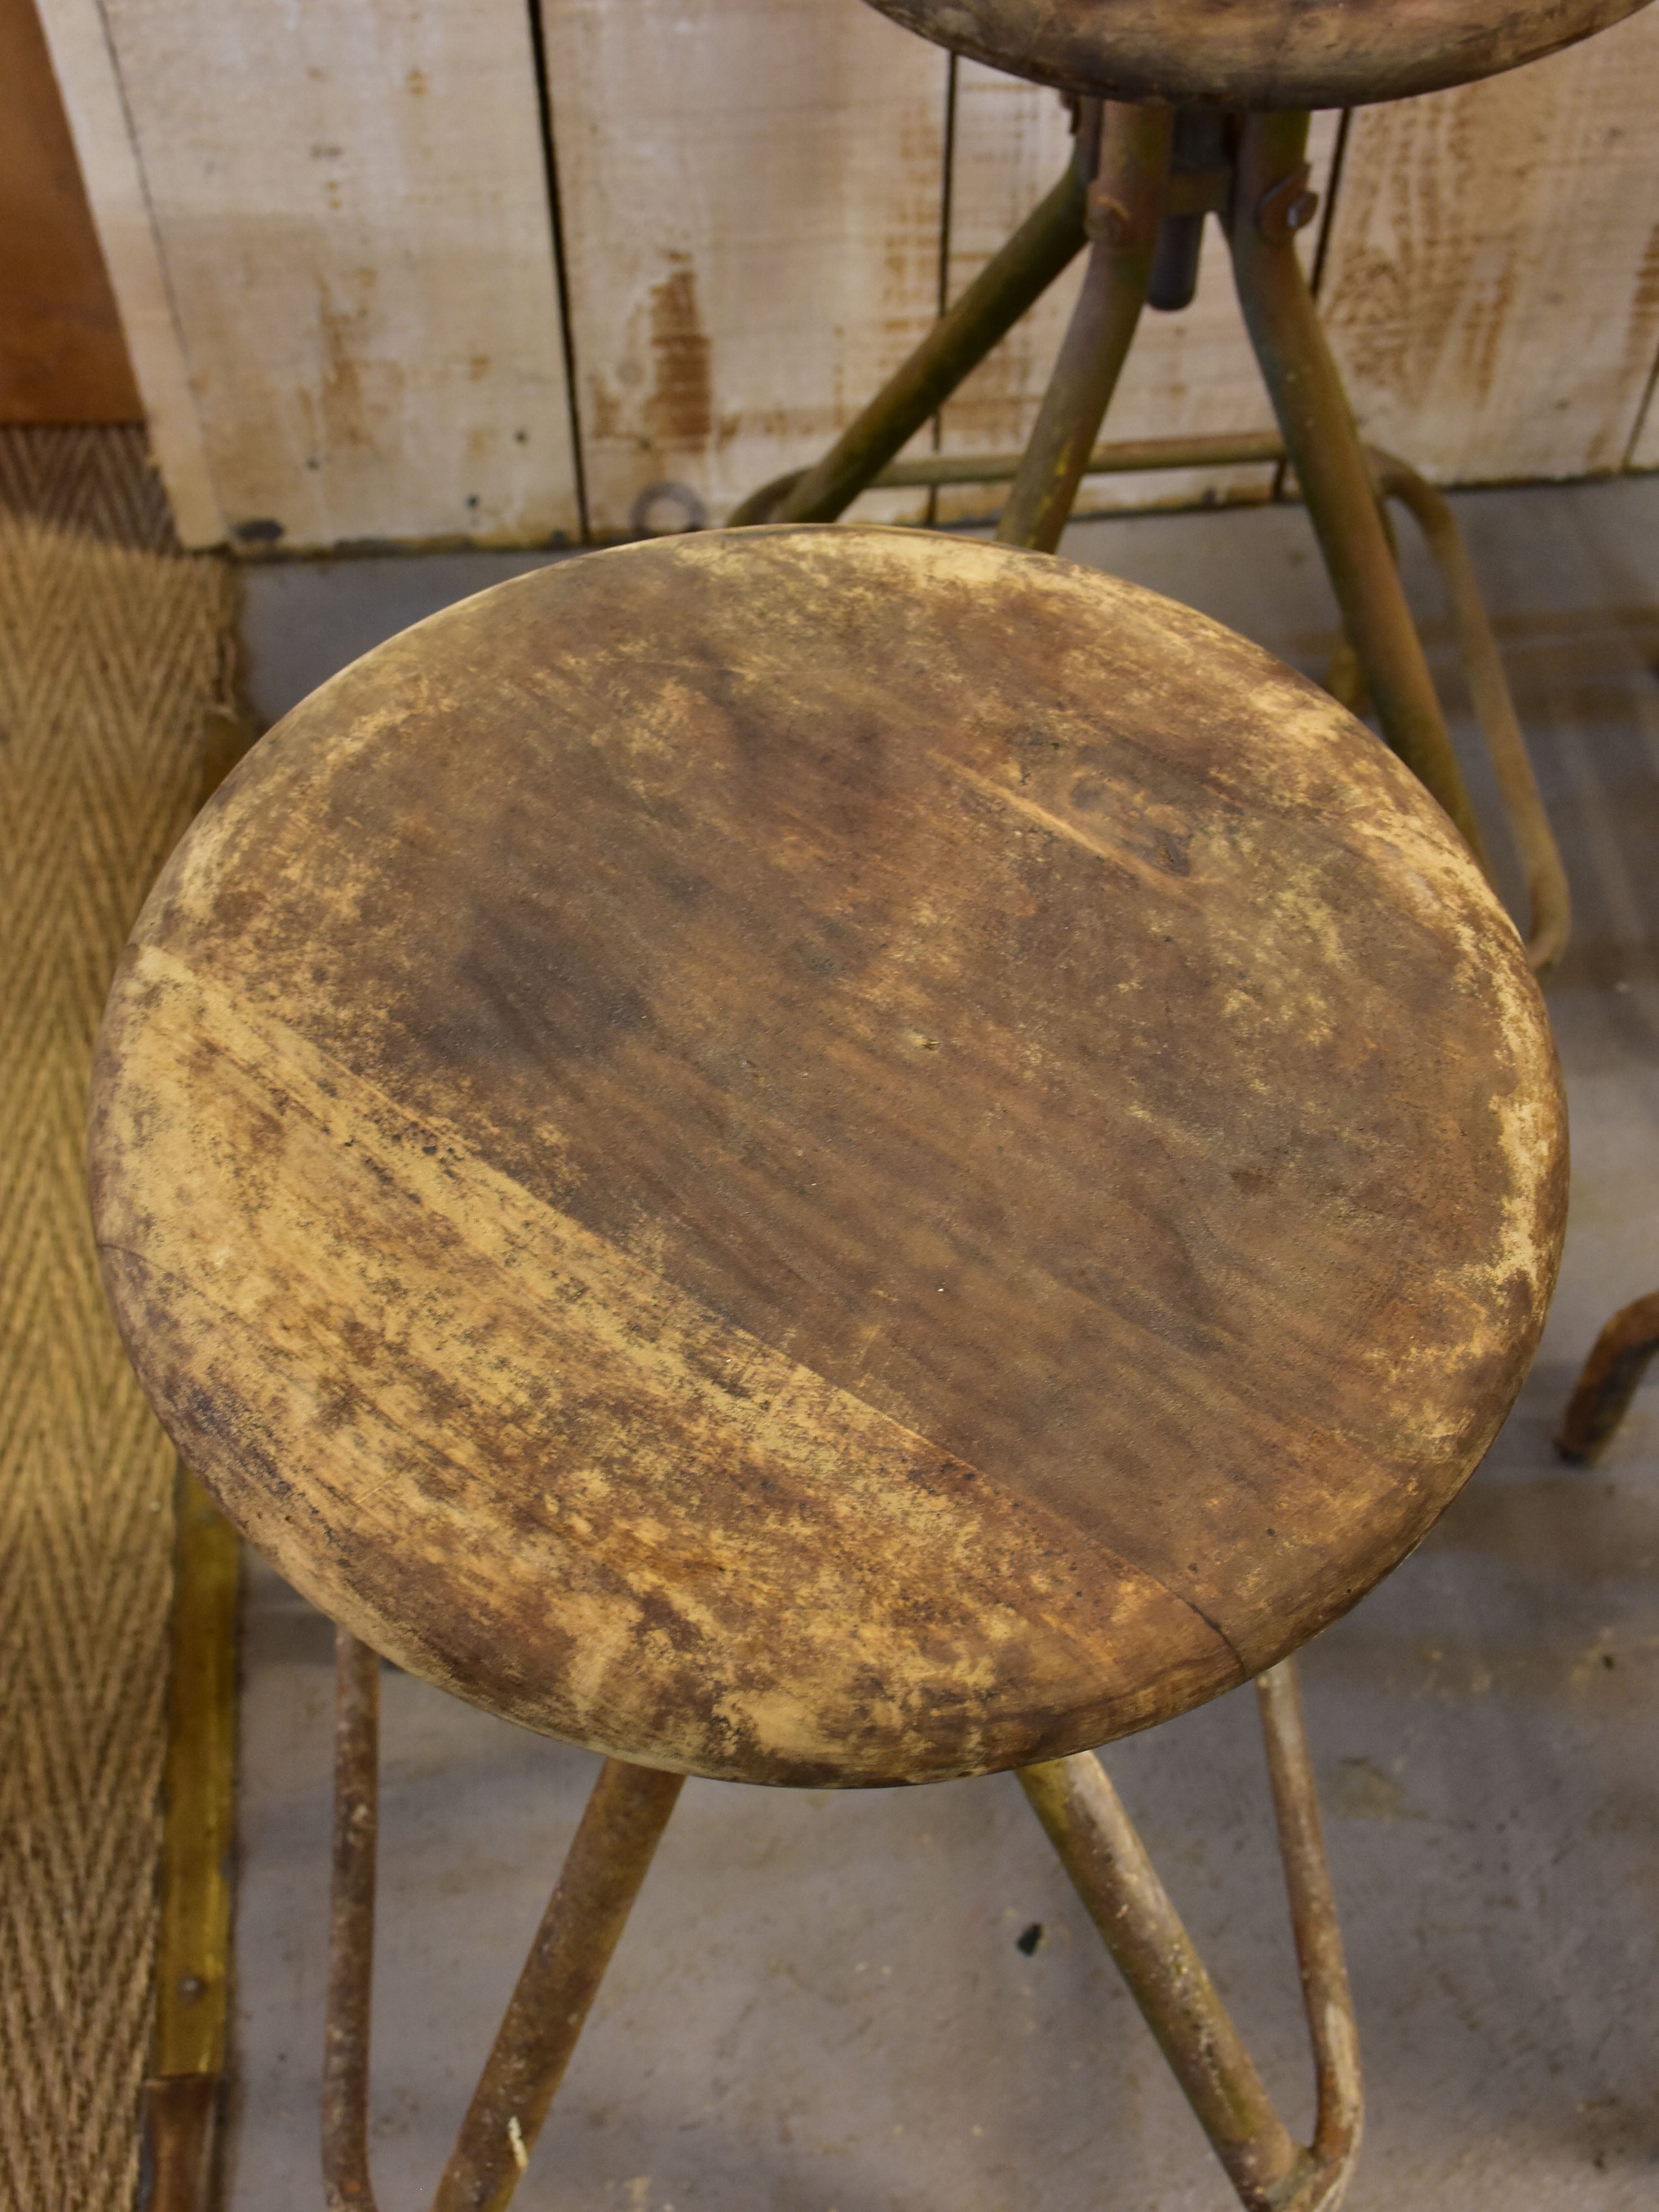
(63, 358)
(95, 107)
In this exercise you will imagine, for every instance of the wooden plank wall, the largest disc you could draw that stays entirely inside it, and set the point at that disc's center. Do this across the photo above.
(352, 259)
(351, 210)
(750, 192)
(1493, 285)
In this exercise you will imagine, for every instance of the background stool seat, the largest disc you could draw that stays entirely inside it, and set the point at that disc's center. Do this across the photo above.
(827, 1156)
(1256, 53)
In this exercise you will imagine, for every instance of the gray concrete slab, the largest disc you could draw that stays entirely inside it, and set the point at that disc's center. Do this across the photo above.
(823, 2004)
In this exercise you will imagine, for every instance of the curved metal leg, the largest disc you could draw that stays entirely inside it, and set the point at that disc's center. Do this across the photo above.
(589, 1907)
(1549, 900)
(1609, 1380)
(1099, 1849)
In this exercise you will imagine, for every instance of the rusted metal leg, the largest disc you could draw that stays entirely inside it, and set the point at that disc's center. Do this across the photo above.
(1549, 901)
(1270, 203)
(606, 1863)
(1099, 1849)
(1326, 1998)
(1126, 210)
(346, 2184)
(1611, 1376)
(584, 1917)
(1049, 240)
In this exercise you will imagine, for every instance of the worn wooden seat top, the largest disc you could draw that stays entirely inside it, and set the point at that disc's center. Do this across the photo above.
(1256, 53)
(827, 1156)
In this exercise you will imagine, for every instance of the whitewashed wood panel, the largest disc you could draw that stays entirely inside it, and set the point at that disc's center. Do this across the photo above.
(750, 194)
(1187, 374)
(352, 207)
(85, 69)
(1492, 283)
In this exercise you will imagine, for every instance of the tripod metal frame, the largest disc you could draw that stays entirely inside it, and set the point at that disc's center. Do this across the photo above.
(607, 1863)
(1142, 180)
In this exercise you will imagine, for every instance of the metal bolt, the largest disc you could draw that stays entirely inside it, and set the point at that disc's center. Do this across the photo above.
(1301, 210)
(1288, 207)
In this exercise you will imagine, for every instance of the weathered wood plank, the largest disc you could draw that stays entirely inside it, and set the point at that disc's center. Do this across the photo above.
(352, 209)
(1191, 374)
(99, 125)
(750, 192)
(1492, 283)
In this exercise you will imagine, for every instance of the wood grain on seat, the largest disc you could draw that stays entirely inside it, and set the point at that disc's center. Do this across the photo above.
(830, 1156)
(1256, 53)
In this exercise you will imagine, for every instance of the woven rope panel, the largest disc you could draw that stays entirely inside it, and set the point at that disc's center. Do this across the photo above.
(114, 656)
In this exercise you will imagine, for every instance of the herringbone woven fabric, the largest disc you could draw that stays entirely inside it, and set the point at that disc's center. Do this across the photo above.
(113, 655)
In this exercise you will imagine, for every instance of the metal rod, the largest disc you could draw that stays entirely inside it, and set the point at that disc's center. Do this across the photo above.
(1549, 899)
(1125, 208)
(1610, 1376)
(1326, 1997)
(1049, 240)
(601, 1878)
(181, 2097)
(346, 2181)
(1270, 202)
(1100, 1850)
(1128, 457)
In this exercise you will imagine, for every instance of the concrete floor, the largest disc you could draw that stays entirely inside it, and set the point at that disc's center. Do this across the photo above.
(835, 2004)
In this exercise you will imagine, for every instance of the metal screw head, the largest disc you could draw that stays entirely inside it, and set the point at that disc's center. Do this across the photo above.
(1301, 210)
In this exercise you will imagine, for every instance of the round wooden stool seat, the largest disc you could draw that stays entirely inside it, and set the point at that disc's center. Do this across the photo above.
(1256, 53)
(827, 1156)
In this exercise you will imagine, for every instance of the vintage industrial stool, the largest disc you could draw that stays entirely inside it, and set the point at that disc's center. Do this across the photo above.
(829, 1157)
(1185, 109)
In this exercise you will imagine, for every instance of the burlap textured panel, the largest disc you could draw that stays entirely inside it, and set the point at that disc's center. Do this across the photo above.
(114, 656)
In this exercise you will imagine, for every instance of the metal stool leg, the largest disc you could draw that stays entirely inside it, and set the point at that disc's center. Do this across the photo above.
(1270, 203)
(1609, 1380)
(1126, 211)
(601, 1877)
(1047, 242)
(1087, 1824)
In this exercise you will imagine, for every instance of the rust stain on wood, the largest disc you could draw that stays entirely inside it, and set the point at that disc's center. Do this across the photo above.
(828, 1156)
(680, 410)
